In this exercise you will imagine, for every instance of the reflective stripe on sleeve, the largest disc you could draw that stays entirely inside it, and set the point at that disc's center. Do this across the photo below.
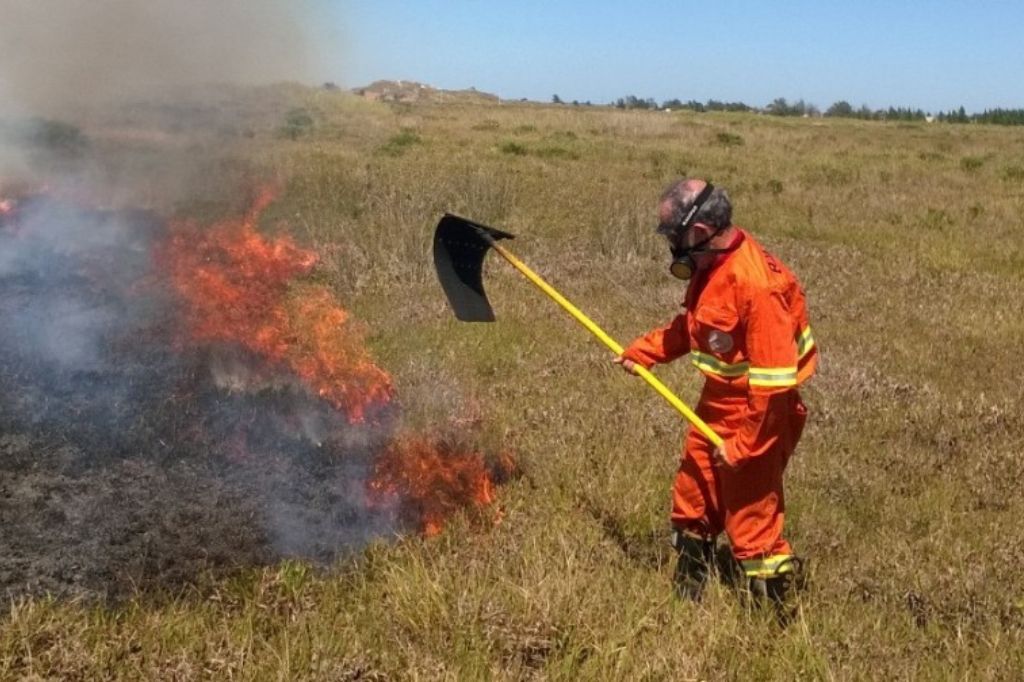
(709, 363)
(773, 376)
(804, 342)
(767, 566)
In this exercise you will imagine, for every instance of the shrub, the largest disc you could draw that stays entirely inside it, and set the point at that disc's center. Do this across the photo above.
(729, 139)
(513, 148)
(1014, 173)
(556, 152)
(55, 136)
(297, 122)
(397, 145)
(971, 163)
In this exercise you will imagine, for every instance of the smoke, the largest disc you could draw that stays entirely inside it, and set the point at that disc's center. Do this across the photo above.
(168, 407)
(173, 398)
(222, 457)
(57, 56)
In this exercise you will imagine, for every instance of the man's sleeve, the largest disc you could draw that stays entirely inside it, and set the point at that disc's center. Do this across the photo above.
(660, 345)
(772, 351)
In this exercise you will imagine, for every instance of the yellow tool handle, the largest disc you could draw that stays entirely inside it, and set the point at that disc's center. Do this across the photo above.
(652, 380)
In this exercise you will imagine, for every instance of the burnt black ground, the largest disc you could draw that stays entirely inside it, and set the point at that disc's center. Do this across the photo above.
(129, 462)
(109, 527)
(108, 530)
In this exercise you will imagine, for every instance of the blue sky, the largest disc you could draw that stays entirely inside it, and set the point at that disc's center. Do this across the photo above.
(933, 55)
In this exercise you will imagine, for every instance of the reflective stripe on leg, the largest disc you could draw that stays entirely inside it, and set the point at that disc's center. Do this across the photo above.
(768, 566)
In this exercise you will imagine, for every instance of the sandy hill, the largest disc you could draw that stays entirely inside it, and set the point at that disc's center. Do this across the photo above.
(411, 91)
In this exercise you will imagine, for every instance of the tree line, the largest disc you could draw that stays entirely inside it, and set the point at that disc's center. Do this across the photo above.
(841, 109)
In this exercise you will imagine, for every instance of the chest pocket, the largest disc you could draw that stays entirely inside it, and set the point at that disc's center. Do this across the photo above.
(716, 330)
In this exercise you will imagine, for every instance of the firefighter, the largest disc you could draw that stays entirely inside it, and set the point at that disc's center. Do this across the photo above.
(744, 326)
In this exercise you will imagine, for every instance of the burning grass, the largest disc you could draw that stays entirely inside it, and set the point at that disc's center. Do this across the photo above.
(240, 394)
(429, 480)
(238, 286)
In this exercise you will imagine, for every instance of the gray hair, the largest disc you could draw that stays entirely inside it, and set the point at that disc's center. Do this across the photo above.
(716, 211)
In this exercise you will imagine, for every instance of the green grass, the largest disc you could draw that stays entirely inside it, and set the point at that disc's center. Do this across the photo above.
(904, 492)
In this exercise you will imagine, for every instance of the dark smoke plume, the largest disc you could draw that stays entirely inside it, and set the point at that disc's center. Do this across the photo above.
(58, 55)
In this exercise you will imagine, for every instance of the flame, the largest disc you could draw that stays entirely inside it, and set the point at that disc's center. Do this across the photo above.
(239, 288)
(249, 290)
(431, 480)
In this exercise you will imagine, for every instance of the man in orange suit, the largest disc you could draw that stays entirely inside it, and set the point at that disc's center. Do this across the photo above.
(745, 328)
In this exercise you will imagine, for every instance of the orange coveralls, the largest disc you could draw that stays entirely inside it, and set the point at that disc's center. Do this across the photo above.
(745, 327)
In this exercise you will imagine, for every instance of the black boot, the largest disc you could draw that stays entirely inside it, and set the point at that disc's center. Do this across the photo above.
(696, 557)
(779, 589)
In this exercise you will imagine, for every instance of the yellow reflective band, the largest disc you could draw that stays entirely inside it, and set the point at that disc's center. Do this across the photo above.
(709, 363)
(768, 566)
(804, 342)
(773, 376)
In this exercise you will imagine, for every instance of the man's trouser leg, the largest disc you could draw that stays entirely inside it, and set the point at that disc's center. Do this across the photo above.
(696, 519)
(695, 558)
(754, 512)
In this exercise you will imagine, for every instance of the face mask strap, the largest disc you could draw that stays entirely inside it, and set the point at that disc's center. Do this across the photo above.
(682, 260)
(676, 233)
(698, 204)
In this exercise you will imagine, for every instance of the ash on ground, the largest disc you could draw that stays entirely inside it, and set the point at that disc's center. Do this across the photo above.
(130, 463)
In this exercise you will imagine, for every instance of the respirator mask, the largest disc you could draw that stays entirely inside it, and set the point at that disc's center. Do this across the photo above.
(683, 265)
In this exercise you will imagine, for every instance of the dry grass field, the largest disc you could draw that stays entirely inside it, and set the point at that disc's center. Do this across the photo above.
(904, 493)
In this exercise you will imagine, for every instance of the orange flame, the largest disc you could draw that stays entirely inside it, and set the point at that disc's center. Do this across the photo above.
(243, 288)
(239, 290)
(431, 480)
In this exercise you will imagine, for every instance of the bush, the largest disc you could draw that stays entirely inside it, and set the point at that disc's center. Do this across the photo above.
(513, 148)
(397, 145)
(1014, 173)
(55, 136)
(556, 152)
(297, 122)
(971, 163)
(729, 139)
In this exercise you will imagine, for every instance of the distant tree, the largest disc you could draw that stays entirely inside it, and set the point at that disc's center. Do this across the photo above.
(634, 102)
(555, 99)
(842, 108)
(955, 116)
(1007, 117)
(780, 107)
(902, 114)
(735, 106)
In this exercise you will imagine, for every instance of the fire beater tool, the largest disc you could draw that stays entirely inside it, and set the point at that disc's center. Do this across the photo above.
(460, 246)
